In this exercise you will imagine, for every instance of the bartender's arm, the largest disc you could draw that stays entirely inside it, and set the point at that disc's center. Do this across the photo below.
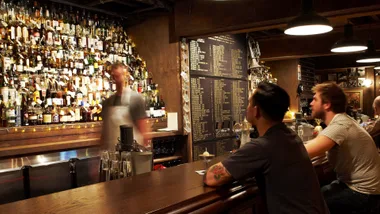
(139, 117)
(332, 135)
(245, 162)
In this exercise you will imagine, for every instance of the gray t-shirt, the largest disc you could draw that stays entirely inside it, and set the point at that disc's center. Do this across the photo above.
(354, 157)
(136, 105)
(283, 171)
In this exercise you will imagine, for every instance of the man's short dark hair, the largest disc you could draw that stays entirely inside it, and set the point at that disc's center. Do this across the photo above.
(272, 100)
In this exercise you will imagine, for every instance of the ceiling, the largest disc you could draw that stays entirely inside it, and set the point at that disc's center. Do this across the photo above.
(338, 23)
(130, 11)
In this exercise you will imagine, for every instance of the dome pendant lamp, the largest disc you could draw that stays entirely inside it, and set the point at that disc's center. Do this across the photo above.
(308, 22)
(370, 55)
(349, 43)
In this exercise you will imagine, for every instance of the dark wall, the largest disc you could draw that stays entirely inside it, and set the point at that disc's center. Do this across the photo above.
(162, 58)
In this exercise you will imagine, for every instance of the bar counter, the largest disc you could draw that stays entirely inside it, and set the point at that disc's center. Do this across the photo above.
(173, 190)
(177, 190)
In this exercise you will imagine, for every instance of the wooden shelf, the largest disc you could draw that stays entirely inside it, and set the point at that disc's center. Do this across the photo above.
(170, 158)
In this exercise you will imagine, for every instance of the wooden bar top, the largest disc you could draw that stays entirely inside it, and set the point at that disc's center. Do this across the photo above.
(177, 190)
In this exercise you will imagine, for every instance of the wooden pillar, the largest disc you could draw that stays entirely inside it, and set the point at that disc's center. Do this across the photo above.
(369, 93)
(287, 77)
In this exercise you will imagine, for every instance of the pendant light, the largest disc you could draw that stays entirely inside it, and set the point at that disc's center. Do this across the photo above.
(377, 67)
(349, 43)
(370, 55)
(308, 22)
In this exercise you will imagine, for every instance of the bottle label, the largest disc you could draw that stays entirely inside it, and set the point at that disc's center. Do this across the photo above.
(47, 118)
(63, 118)
(19, 32)
(13, 33)
(56, 118)
(20, 68)
(33, 117)
(77, 114)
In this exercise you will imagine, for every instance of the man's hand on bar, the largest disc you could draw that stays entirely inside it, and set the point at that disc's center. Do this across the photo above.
(217, 175)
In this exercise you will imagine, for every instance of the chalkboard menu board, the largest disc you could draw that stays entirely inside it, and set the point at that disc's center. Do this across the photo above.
(219, 91)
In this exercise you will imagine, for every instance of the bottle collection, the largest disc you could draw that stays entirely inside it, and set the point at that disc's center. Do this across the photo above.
(55, 61)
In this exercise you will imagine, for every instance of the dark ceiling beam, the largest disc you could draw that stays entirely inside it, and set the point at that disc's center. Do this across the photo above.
(126, 3)
(293, 47)
(338, 63)
(158, 4)
(107, 12)
(194, 18)
(142, 10)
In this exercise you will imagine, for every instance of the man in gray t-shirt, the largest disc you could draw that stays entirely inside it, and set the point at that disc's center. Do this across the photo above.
(125, 107)
(351, 152)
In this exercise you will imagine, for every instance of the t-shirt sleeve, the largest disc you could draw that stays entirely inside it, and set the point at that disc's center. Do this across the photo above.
(336, 132)
(137, 108)
(246, 161)
(373, 129)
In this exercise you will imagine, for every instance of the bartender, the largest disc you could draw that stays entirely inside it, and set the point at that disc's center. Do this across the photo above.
(125, 107)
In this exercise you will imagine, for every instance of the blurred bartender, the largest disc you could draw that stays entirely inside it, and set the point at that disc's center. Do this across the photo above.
(125, 107)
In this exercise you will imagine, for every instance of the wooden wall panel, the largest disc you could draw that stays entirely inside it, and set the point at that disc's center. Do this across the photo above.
(162, 57)
(286, 73)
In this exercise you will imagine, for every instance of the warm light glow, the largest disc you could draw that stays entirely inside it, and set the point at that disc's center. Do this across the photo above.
(23, 130)
(367, 83)
(41, 159)
(377, 67)
(15, 129)
(34, 130)
(348, 49)
(368, 60)
(308, 30)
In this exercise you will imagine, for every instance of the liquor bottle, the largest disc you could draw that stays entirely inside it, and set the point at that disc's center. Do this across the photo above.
(163, 108)
(47, 115)
(3, 109)
(55, 114)
(11, 113)
(33, 118)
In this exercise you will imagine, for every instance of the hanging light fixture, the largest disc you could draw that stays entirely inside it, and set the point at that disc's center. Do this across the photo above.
(349, 43)
(308, 22)
(377, 67)
(370, 55)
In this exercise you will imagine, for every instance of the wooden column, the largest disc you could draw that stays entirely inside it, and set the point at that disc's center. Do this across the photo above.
(369, 93)
(162, 58)
(286, 73)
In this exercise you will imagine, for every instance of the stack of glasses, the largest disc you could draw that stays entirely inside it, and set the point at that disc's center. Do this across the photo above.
(115, 165)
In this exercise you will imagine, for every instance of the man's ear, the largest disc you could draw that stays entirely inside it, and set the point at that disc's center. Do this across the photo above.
(257, 112)
(326, 106)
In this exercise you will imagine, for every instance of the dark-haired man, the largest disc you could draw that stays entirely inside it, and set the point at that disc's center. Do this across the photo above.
(351, 151)
(277, 158)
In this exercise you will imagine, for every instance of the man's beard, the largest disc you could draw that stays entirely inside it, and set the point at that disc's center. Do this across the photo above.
(318, 114)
